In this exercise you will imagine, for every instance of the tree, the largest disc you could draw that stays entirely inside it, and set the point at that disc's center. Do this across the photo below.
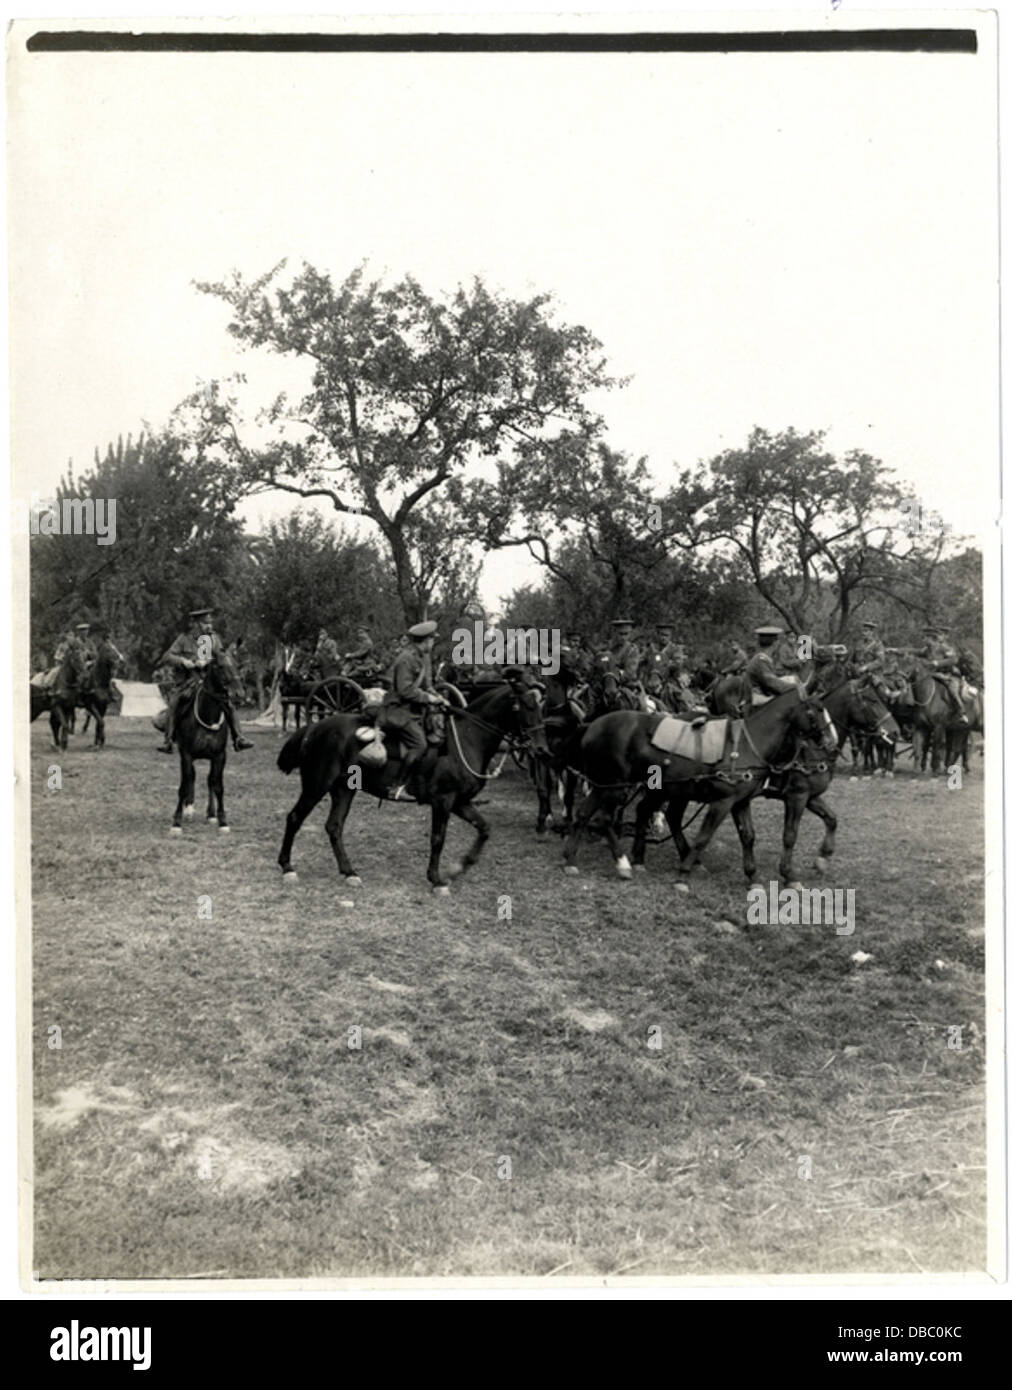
(310, 576)
(178, 545)
(420, 412)
(818, 537)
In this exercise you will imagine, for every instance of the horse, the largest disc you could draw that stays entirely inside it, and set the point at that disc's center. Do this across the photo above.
(564, 721)
(60, 697)
(201, 733)
(932, 718)
(959, 737)
(618, 758)
(96, 695)
(328, 755)
(293, 687)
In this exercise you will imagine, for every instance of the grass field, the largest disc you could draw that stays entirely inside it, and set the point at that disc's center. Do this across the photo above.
(205, 1114)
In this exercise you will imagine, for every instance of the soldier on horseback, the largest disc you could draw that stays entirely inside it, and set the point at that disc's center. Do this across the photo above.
(410, 698)
(763, 670)
(188, 653)
(870, 660)
(362, 659)
(326, 658)
(944, 663)
(624, 658)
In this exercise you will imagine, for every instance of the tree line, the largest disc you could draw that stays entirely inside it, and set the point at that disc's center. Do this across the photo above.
(431, 430)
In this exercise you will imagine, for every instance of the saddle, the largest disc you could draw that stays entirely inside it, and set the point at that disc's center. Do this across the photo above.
(707, 744)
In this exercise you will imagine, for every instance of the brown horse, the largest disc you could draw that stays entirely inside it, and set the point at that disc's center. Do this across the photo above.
(618, 758)
(328, 755)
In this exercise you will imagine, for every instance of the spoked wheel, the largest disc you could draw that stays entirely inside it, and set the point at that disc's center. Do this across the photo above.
(335, 695)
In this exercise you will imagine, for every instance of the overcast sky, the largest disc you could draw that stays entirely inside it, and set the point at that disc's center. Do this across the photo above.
(775, 240)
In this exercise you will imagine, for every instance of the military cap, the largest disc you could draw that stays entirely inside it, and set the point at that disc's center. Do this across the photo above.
(868, 622)
(201, 612)
(769, 631)
(621, 622)
(421, 630)
(83, 627)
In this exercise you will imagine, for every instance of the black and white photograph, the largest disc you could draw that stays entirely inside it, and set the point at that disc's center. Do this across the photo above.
(506, 590)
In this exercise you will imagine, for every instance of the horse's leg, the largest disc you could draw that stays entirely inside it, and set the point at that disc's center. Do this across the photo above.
(569, 799)
(437, 838)
(312, 795)
(673, 814)
(741, 813)
(821, 809)
(341, 797)
(469, 812)
(650, 803)
(794, 805)
(542, 773)
(186, 779)
(715, 814)
(582, 815)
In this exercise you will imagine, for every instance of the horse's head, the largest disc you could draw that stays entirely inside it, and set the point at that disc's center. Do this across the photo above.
(812, 724)
(221, 677)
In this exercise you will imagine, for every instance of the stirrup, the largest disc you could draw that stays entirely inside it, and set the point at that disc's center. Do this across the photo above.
(239, 743)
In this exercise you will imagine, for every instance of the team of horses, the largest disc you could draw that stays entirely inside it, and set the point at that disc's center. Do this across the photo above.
(786, 749)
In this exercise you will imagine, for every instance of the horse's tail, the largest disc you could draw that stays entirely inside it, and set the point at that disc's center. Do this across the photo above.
(291, 753)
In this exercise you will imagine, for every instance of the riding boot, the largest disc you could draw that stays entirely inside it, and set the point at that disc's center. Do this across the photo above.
(238, 742)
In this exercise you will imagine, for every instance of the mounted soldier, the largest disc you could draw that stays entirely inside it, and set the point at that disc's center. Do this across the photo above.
(870, 660)
(410, 699)
(190, 652)
(622, 661)
(362, 659)
(762, 668)
(326, 658)
(943, 661)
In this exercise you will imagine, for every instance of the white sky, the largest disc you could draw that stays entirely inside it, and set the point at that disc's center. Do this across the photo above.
(776, 240)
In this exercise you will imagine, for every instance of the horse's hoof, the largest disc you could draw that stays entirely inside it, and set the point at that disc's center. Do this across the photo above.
(346, 902)
(854, 777)
(454, 870)
(571, 870)
(224, 830)
(681, 887)
(212, 820)
(639, 868)
(353, 881)
(441, 890)
(176, 830)
(187, 813)
(289, 876)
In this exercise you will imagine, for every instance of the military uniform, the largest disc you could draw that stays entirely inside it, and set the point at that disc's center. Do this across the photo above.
(410, 696)
(944, 662)
(870, 659)
(362, 658)
(327, 657)
(189, 651)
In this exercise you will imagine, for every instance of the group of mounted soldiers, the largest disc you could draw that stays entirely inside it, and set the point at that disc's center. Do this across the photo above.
(649, 670)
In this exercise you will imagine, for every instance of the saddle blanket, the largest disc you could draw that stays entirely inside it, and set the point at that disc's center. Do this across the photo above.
(703, 745)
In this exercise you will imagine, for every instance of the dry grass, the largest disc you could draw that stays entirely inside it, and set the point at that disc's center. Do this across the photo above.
(205, 1113)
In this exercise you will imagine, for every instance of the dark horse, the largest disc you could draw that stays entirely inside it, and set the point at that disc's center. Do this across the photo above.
(565, 720)
(97, 694)
(328, 756)
(619, 757)
(201, 732)
(60, 698)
